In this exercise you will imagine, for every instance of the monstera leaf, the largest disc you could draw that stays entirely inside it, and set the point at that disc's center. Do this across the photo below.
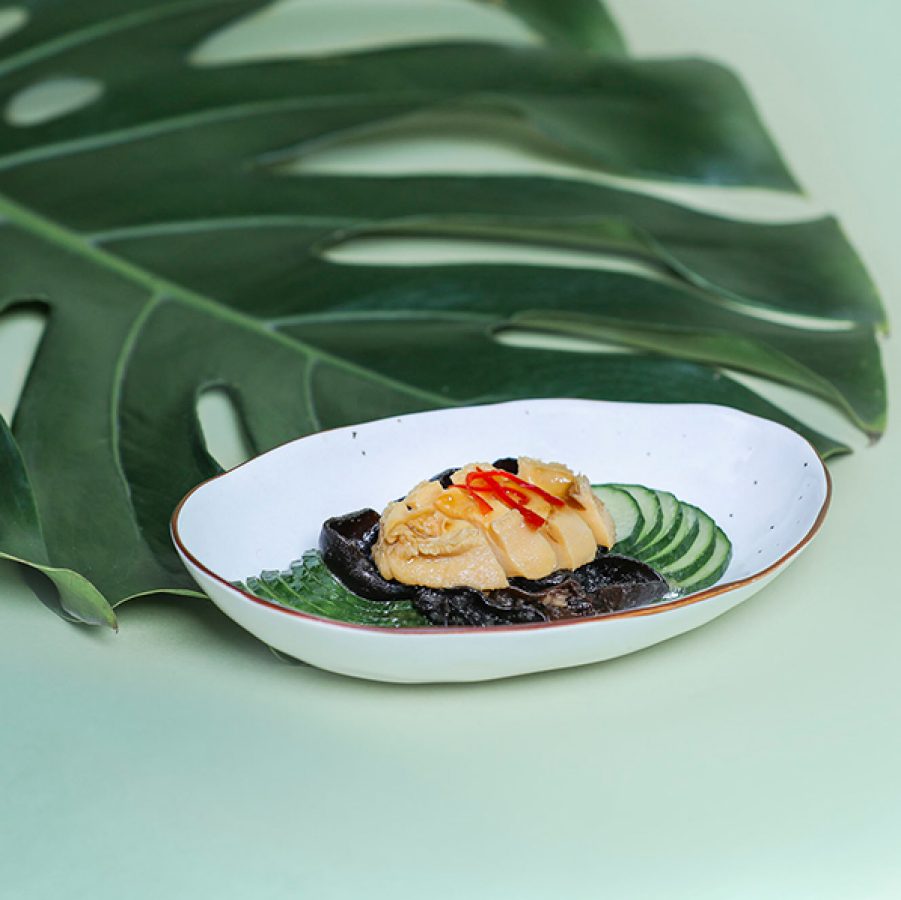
(158, 227)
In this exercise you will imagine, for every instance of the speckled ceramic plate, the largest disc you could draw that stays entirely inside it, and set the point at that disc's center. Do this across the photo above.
(762, 483)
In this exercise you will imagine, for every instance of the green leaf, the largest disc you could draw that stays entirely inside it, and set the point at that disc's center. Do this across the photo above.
(308, 586)
(173, 252)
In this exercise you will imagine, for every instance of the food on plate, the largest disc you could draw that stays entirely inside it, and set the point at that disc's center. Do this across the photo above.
(515, 541)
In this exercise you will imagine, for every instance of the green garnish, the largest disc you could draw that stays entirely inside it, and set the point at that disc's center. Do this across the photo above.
(307, 585)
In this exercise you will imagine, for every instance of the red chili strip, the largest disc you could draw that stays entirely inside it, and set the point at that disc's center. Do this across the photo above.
(489, 485)
(513, 496)
(495, 475)
(550, 498)
(532, 519)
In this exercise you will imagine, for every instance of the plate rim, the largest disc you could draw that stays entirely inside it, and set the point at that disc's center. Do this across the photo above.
(677, 603)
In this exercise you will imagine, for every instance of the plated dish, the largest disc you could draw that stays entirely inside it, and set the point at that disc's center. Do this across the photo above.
(734, 475)
(515, 541)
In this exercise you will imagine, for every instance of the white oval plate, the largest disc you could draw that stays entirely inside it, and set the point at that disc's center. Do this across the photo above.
(762, 483)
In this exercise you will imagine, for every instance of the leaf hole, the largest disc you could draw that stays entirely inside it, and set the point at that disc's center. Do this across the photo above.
(498, 142)
(12, 18)
(51, 99)
(812, 411)
(21, 329)
(791, 320)
(368, 250)
(439, 142)
(312, 28)
(535, 339)
(222, 424)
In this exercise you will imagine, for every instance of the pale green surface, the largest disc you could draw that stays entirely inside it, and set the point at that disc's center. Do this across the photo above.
(754, 758)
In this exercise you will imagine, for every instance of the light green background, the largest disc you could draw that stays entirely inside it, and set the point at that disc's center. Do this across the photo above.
(755, 758)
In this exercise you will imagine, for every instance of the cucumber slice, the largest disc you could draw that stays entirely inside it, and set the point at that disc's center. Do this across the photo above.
(684, 537)
(679, 540)
(671, 512)
(650, 510)
(681, 570)
(713, 569)
(626, 514)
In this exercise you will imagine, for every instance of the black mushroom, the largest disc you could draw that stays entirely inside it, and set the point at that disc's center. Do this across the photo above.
(345, 543)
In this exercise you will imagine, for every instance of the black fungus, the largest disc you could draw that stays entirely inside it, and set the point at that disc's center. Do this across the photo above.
(444, 478)
(619, 582)
(345, 543)
(469, 607)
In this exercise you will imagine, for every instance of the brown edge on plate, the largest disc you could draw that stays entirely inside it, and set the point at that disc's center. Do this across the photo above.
(689, 600)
